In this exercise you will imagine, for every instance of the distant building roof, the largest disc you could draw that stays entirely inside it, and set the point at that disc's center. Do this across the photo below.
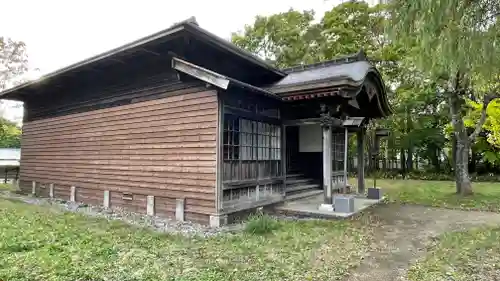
(10, 156)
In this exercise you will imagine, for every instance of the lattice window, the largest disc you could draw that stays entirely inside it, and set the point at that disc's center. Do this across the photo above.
(338, 151)
(252, 149)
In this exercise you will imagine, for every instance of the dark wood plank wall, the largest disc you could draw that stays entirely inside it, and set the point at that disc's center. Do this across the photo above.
(164, 146)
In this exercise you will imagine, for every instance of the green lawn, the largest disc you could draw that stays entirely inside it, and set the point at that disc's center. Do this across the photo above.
(441, 194)
(43, 243)
(461, 256)
(6, 186)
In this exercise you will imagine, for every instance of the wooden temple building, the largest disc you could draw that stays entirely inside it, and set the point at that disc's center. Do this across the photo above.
(186, 125)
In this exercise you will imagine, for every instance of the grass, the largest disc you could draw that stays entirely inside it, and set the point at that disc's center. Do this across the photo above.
(486, 196)
(261, 224)
(6, 186)
(469, 255)
(43, 243)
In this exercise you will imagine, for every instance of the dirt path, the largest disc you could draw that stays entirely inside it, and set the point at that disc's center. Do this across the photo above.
(403, 233)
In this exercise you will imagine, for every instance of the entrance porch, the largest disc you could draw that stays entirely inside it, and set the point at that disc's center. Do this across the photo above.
(290, 141)
(308, 206)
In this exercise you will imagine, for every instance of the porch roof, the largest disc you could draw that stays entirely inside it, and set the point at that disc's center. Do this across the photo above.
(351, 77)
(349, 70)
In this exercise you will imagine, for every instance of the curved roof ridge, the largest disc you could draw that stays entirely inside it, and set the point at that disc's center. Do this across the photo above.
(359, 56)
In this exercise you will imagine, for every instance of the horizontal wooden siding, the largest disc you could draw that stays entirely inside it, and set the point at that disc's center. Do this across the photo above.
(163, 147)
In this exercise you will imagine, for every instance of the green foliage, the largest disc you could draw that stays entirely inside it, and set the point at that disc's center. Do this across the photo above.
(449, 36)
(260, 224)
(417, 45)
(280, 38)
(10, 134)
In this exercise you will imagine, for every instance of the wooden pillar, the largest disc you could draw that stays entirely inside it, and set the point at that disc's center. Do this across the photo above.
(346, 152)
(283, 157)
(327, 163)
(360, 135)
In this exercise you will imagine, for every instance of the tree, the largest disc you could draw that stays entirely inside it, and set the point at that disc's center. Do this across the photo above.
(10, 134)
(283, 39)
(293, 38)
(458, 42)
(13, 61)
(13, 64)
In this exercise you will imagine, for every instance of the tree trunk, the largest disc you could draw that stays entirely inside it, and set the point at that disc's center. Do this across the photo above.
(463, 183)
(403, 162)
(435, 159)
(454, 155)
(409, 128)
(409, 160)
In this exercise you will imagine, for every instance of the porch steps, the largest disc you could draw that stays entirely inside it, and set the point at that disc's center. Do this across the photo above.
(302, 187)
(299, 186)
(306, 194)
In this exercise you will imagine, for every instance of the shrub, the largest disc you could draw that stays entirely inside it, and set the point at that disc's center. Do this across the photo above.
(261, 224)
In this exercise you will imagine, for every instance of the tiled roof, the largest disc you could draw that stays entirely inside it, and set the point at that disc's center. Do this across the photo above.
(353, 68)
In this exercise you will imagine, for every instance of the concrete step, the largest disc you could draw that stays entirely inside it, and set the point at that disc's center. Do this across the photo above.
(301, 187)
(295, 181)
(295, 176)
(301, 195)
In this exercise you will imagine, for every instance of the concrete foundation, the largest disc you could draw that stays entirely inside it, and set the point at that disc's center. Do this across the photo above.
(375, 193)
(51, 190)
(310, 207)
(179, 209)
(150, 207)
(343, 203)
(218, 221)
(106, 200)
(72, 196)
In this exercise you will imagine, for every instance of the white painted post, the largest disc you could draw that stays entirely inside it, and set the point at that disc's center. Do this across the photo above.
(72, 196)
(105, 202)
(33, 187)
(179, 209)
(51, 190)
(361, 160)
(346, 145)
(150, 207)
(327, 163)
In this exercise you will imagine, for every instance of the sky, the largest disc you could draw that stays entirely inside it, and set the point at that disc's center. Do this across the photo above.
(59, 33)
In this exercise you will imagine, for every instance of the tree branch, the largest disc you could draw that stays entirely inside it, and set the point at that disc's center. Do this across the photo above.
(486, 101)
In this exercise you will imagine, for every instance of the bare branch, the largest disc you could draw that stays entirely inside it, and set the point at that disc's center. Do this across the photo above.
(486, 101)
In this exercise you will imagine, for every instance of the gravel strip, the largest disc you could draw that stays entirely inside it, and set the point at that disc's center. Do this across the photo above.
(159, 224)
